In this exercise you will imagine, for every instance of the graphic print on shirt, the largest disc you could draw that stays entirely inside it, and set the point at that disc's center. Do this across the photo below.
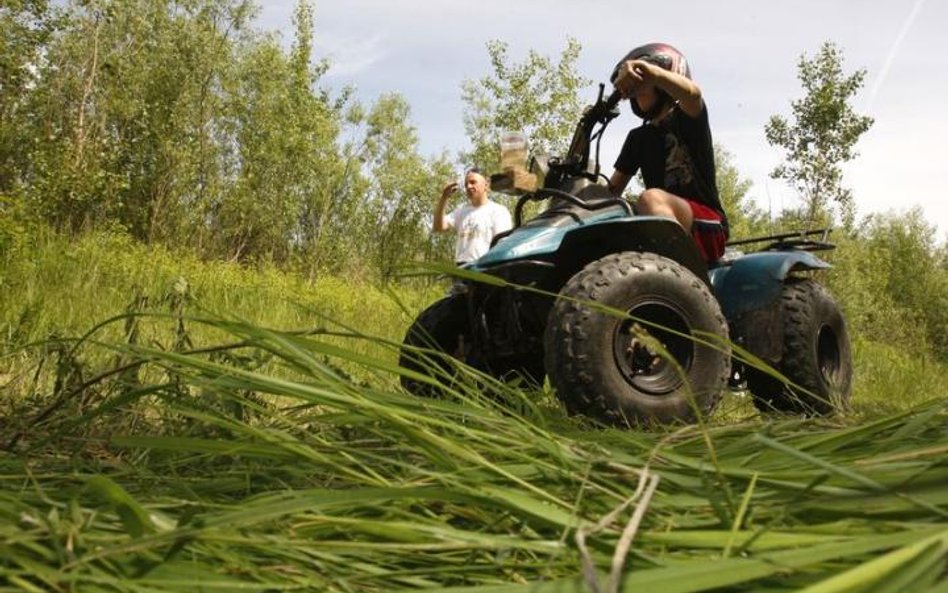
(678, 165)
(474, 227)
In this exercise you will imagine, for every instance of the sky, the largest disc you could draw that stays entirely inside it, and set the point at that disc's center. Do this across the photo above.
(743, 54)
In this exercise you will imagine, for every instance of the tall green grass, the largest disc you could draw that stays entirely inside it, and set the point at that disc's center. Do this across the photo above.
(56, 291)
(175, 449)
(61, 287)
(216, 476)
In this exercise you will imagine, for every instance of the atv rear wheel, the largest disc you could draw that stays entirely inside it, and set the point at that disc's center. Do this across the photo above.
(645, 367)
(442, 327)
(817, 358)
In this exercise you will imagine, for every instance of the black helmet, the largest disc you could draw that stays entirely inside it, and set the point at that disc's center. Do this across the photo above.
(663, 56)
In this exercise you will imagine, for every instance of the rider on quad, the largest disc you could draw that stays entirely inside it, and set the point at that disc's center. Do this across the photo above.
(672, 147)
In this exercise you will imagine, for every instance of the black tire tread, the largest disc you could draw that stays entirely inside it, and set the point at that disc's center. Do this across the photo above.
(436, 326)
(801, 301)
(570, 367)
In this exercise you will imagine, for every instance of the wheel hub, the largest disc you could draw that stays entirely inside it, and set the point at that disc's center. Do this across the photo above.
(653, 350)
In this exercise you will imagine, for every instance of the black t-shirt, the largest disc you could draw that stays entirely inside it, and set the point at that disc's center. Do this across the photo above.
(676, 155)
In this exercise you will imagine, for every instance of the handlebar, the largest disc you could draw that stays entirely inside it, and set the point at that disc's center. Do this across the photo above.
(544, 193)
(612, 101)
(600, 112)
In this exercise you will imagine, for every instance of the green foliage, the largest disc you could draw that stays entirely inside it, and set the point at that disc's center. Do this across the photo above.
(894, 280)
(120, 113)
(402, 186)
(891, 375)
(822, 135)
(181, 124)
(26, 26)
(891, 280)
(18, 224)
(284, 136)
(536, 96)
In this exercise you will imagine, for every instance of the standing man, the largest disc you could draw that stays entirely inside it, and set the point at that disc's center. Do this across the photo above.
(476, 222)
(672, 147)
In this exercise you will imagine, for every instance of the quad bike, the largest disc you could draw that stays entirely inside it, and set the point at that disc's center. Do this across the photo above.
(620, 312)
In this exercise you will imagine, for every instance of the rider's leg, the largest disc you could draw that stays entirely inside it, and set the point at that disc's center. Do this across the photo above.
(706, 230)
(658, 202)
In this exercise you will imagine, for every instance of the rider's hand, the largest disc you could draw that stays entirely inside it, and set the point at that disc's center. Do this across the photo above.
(635, 75)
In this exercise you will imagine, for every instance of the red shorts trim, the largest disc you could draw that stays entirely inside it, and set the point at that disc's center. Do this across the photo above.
(708, 232)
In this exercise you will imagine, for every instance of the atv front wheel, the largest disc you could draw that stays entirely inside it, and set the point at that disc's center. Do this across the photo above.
(645, 366)
(443, 329)
(817, 358)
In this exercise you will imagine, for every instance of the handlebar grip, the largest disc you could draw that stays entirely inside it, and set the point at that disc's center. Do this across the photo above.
(613, 100)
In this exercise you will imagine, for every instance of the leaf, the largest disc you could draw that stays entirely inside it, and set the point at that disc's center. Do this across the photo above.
(133, 515)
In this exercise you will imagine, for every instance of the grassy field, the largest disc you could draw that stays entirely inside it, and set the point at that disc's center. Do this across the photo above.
(170, 425)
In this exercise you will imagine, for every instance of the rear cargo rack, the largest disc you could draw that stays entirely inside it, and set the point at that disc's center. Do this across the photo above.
(795, 241)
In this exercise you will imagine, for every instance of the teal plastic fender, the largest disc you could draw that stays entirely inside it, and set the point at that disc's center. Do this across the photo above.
(528, 242)
(568, 245)
(754, 281)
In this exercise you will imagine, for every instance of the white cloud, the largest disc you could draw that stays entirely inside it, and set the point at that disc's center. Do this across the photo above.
(349, 56)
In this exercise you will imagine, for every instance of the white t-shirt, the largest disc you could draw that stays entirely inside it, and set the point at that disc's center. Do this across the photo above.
(476, 226)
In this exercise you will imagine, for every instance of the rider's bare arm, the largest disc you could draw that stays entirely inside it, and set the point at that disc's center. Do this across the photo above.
(681, 88)
(617, 182)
